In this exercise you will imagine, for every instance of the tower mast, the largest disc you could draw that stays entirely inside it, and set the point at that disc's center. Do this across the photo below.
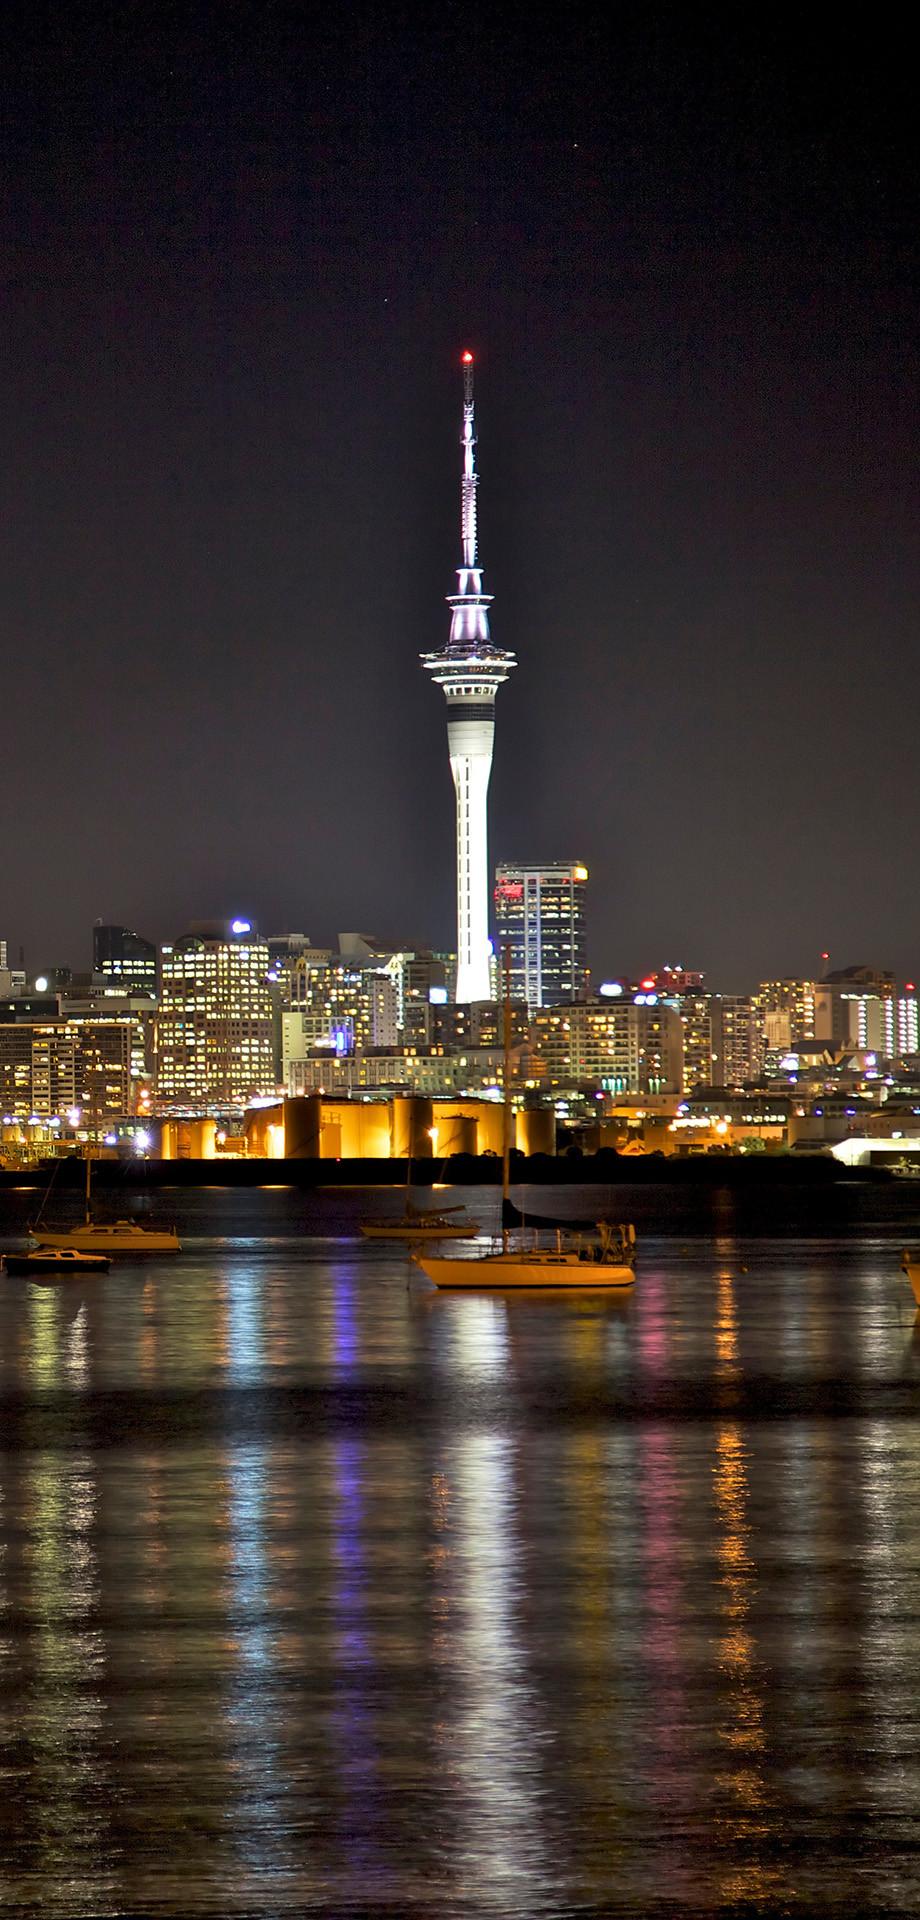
(470, 671)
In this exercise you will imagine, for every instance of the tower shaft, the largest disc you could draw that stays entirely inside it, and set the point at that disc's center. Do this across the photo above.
(470, 670)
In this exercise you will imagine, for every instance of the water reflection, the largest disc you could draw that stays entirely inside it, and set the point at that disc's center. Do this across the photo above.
(743, 1817)
(251, 1714)
(491, 1746)
(476, 1330)
(318, 1595)
(64, 1835)
(352, 1732)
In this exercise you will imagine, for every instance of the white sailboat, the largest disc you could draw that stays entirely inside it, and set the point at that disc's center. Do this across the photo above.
(610, 1262)
(103, 1236)
(573, 1262)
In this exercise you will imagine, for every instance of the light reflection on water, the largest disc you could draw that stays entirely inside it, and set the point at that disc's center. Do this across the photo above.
(319, 1593)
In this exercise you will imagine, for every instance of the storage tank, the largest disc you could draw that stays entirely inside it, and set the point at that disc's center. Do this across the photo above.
(536, 1130)
(201, 1139)
(412, 1123)
(456, 1131)
(302, 1122)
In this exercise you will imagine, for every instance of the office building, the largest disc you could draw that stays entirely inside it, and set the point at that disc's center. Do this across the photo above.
(737, 1039)
(470, 671)
(540, 917)
(125, 959)
(617, 1046)
(214, 1038)
(787, 1012)
(696, 1020)
(57, 1068)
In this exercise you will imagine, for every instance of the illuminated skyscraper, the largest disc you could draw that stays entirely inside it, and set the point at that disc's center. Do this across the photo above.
(470, 670)
(215, 1021)
(540, 917)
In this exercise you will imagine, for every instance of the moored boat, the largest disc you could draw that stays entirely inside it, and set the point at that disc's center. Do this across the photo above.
(610, 1261)
(102, 1236)
(910, 1264)
(607, 1263)
(445, 1223)
(117, 1236)
(62, 1260)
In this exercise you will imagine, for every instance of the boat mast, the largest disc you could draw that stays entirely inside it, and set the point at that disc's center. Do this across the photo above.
(506, 1110)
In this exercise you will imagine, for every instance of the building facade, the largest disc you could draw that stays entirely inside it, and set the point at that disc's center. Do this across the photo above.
(540, 921)
(614, 1045)
(737, 1039)
(214, 1032)
(124, 958)
(53, 1068)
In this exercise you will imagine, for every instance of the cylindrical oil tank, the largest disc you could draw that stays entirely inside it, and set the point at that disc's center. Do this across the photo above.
(302, 1122)
(490, 1123)
(456, 1132)
(201, 1136)
(412, 1124)
(536, 1130)
(256, 1122)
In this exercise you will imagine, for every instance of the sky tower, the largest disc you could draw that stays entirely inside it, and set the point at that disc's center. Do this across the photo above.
(470, 670)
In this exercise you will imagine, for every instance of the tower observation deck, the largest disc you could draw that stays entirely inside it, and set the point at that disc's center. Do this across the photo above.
(470, 670)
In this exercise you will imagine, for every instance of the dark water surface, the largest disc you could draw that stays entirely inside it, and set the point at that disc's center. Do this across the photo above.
(321, 1593)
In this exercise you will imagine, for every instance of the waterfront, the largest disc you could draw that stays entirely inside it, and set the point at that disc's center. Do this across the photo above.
(323, 1593)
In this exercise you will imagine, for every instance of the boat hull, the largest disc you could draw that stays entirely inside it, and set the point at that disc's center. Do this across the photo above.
(58, 1261)
(120, 1238)
(418, 1230)
(912, 1270)
(535, 1269)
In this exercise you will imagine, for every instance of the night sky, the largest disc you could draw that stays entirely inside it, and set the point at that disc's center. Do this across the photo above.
(242, 252)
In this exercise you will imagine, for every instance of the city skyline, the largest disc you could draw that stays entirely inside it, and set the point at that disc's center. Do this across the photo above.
(718, 981)
(237, 267)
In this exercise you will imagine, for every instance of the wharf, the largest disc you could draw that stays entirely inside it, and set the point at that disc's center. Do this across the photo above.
(771, 1172)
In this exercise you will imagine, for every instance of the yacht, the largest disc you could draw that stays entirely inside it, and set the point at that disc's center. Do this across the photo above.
(102, 1236)
(115, 1236)
(66, 1260)
(573, 1262)
(609, 1261)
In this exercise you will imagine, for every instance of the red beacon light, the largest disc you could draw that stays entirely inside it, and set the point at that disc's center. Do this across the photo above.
(467, 359)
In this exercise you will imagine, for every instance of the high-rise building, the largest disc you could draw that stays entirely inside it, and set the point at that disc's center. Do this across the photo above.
(470, 671)
(338, 1009)
(787, 1013)
(696, 1019)
(622, 1046)
(125, 958)
(737, 1039)
(540, 917)
(51, 1067)
(885, 1023)
(214, 1043)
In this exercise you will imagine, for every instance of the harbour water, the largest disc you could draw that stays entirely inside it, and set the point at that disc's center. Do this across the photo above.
(322, 1593)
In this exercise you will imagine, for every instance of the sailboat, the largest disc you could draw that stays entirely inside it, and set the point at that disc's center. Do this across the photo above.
(418, 1223)
(573, 1262)
(101, 1236)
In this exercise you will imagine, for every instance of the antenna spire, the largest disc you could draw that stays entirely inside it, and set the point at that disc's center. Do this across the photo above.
(470, 478)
